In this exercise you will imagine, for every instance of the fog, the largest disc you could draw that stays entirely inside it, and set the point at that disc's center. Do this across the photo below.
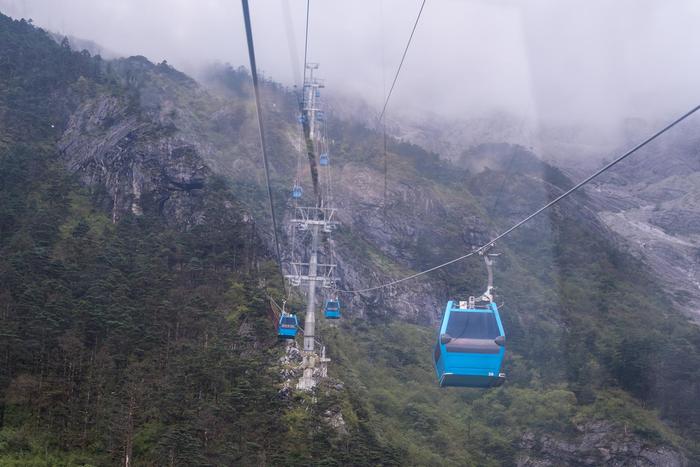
(576, 61)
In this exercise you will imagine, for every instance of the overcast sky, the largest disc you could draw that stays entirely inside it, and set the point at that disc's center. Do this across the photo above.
(556, 60)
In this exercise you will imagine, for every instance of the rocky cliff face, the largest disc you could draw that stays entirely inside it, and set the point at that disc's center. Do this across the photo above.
(140, 162)
(158, 144)
(653, 203)
(596, 444)
(158, 147)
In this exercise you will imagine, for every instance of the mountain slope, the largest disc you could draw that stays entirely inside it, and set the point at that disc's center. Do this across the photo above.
(147, 205)
(141, 337)
(654, 205)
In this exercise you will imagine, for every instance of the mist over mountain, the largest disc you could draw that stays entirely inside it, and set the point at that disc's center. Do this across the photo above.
(576, 62)
(138, 283)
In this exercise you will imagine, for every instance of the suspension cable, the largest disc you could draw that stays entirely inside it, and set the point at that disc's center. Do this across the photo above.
(391, 90)
(306, 37)
(291, 42)
(310, 147)
(540, 210)
(503, 184)
(403, 57)
(258, 110)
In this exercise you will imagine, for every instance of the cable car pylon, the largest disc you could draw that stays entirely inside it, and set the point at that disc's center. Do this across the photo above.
(315, 220)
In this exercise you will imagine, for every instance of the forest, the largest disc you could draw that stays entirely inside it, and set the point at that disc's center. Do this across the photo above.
(139, 337)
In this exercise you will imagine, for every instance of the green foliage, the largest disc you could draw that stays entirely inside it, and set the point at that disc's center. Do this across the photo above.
(32, 67)
(457, 426)
(140, 336)
(115, 332)
(579, 313)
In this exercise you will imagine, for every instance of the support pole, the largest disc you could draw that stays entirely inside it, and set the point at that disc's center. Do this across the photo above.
(307, 380)
(310, 320)
(488, 259)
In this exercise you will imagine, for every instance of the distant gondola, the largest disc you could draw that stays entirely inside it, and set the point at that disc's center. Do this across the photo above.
(288, 326)
(331, 310)
(324, 160)
(470, 346)
(297, 191)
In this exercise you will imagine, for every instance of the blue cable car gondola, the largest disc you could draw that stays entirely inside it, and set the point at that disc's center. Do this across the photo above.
(331, 310)
(470, 346)
(297, 191)
(288, 326)
(302, 118)
(324, 160)
(320, 116)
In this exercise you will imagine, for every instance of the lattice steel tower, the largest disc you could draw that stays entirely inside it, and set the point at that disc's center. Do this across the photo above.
(318, 221)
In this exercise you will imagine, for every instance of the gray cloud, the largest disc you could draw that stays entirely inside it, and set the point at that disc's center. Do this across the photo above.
(553, 60)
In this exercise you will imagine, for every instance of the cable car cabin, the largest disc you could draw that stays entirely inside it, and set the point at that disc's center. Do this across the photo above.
(470, 346)
(320, 116)
(324, 160)
(297, 191)
(288, 325)
(302, 119)
(332, 309)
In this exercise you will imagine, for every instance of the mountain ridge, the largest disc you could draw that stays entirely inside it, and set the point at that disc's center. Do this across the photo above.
(171, 149)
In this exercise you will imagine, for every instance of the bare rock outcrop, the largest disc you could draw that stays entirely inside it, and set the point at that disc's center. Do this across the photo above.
(142, 164)
(598, 443)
